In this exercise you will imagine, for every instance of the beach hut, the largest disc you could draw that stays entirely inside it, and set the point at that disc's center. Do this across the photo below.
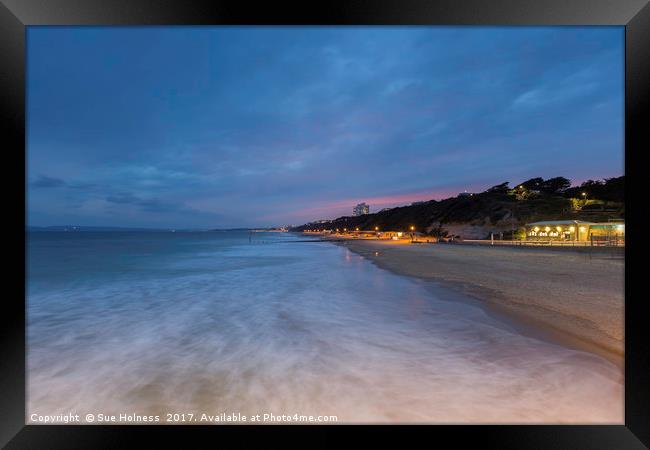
(609, 233)
(559, 230)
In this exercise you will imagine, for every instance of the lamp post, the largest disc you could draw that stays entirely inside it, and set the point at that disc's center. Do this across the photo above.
(412, 230)
(512, 224)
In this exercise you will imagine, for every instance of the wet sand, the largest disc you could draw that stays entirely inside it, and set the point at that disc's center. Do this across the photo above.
(572, 296)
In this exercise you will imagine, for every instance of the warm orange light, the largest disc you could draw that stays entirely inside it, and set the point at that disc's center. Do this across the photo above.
(582, 229)
(536, 228)
(412, 228)
(547, 229)
(357, 228)
(558, 228)
(572, 229)
(376, 228)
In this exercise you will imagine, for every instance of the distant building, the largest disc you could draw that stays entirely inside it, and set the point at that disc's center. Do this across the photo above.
(465, 194)
(361, 209)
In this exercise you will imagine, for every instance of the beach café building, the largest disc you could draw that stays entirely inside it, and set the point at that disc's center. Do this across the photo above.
(575, 230)
(385, 234)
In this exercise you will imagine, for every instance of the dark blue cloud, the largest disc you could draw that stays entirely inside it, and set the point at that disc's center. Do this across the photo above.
(123, 198)
(259, 126)
(44, 181)
(145, 204)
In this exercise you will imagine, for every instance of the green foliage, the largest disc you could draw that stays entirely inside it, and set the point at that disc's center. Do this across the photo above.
(520, 234)
(576, 203)
(520, 193)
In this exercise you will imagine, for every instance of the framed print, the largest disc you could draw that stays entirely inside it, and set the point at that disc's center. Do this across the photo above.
(396, 219)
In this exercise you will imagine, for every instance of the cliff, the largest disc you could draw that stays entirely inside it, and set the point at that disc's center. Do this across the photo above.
(497, 210)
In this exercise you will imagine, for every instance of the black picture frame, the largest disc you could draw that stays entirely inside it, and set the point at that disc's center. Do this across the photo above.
(16, 15)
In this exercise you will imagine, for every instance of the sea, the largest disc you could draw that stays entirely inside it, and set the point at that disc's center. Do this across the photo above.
(209, 327)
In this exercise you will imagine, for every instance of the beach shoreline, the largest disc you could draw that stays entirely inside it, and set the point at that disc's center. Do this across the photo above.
(571, 298)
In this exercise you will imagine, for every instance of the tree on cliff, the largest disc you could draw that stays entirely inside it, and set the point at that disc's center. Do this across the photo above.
(609, 189)
(533, 184)
(503, 187)
(555, 185)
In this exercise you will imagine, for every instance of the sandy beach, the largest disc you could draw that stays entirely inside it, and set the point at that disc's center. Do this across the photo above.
(573, 296)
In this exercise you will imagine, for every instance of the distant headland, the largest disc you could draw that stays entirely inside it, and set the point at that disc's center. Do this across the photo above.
(499, 209)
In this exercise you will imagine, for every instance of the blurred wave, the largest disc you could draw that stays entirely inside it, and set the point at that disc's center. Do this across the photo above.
(151, 323)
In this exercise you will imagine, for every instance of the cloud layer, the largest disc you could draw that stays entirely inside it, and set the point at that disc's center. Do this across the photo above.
(202, 127)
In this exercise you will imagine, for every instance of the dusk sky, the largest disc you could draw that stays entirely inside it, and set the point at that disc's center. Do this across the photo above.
(194, 127)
